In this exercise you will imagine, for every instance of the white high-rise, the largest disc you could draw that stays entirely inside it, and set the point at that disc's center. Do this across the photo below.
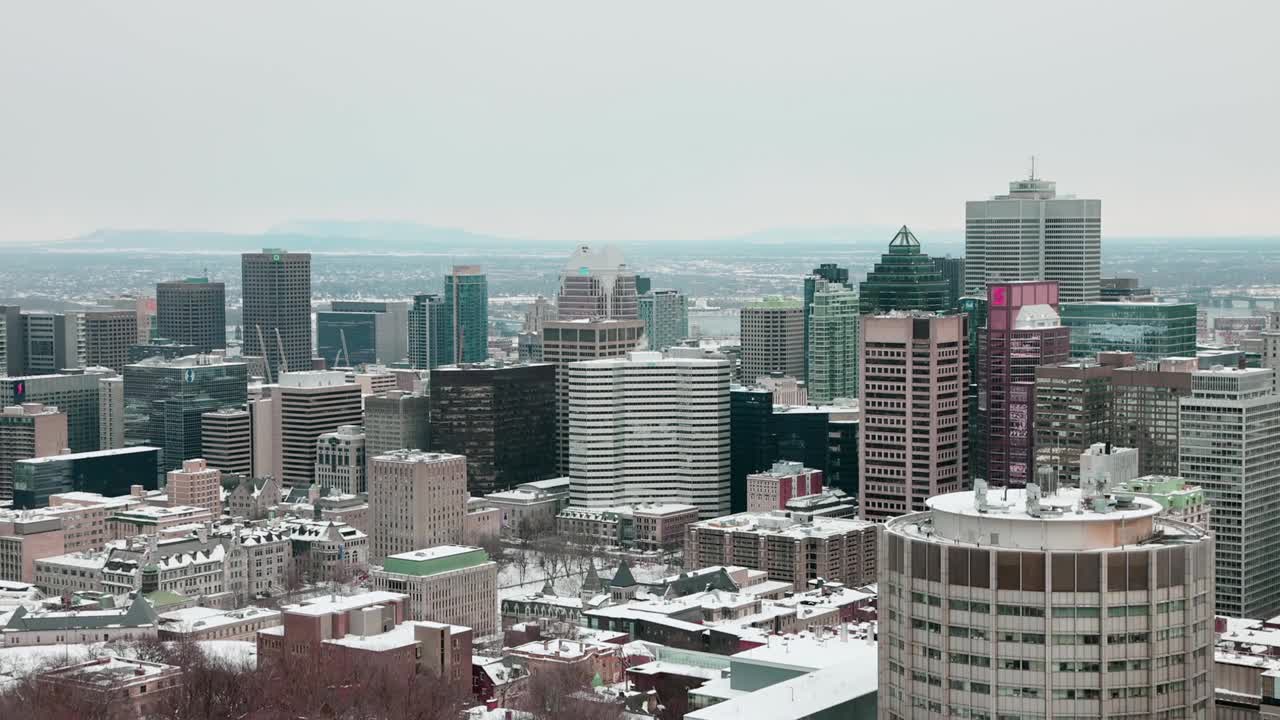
(1033, 234)
(1075, 604)
(1229, 445)
(650, 427)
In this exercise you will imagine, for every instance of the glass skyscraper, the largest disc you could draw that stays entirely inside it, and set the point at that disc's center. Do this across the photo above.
(1148, 330)
(904, 279)
(430, 331)
(829, 272)
(164, 399)
(666, 318)
(466, 289)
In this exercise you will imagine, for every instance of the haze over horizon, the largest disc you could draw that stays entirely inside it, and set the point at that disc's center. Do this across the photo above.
(579, 122)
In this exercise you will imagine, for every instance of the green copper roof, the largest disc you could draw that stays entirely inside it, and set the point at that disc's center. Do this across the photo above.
(435, 560)
(623, 578)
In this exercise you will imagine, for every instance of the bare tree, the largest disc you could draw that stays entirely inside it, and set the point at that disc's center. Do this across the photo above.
(565, 692)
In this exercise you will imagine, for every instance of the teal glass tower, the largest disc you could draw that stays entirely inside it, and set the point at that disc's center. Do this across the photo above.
(1149, 330)
(466, 289)
(430, 331)
(904, 279)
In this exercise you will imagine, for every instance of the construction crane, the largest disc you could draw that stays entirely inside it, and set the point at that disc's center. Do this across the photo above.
(284, 361)
(342, 351)
(262, 345)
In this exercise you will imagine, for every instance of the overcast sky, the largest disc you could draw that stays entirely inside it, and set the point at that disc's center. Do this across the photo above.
(609, 120)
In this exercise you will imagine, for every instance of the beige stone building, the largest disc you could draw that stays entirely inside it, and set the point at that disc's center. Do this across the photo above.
(416, 500)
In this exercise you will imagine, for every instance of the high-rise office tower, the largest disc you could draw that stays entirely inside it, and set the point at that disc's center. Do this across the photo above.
(226, 440)
(75, 394)
(416, 500)
(466, 289)
(831, 273)
(396, 420)
(430, 331)
(110, 412)
(644, 284)
(30, 430)
(276, 316)
(1229, 448)
(165, 399)
(353, 333)
(193, 312)
(501, 417)
(650, 428)
(1032, 234)
(13, 353)
(914, 425)
(108, 335)
(1066, 605)
(540, 311)
(666, 318)
(772, 339)
(1023, 332)
(567, 341)
(1149, 330)
(306, 405)
(1072, 412)
(196, 484)
(596, 285)
(51, 342)
(976, 309)
(751, 441)
(340, 460)
(143, 307)
(952, 270)
(832, 343)
(1145, 403)
(904, 279)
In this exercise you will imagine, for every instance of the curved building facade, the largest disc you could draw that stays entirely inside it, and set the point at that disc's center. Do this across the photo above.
(1021, 607)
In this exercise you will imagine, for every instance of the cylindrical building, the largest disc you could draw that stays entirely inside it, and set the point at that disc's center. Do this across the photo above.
(1072, 605)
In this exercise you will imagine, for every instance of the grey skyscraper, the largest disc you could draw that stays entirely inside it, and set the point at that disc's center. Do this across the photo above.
(276, 287)
(193, 312)
(430, 331)
(952, 270)
(395, 420)
(829, 272)
(1228, 445)
(108, 335)
(467, 290)
(75, 394)
(666, 318)
(596, 285)
(772, 338)
(51, 342)
(13, 353)
(1032, 234)
(358, 333)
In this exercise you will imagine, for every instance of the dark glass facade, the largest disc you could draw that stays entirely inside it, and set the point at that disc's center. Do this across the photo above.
(502, 418)
(359, 330)
(163, 402)
(193, 312)
(107, 472)
(904, 279)
(750, 446)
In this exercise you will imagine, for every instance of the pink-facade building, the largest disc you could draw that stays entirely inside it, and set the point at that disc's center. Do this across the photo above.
(196, 485)
(29, 430)
(1023, 332)
(913, 442)
(773, 488)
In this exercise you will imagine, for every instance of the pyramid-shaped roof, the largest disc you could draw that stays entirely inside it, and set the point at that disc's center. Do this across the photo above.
(623, 578)
(904, 238)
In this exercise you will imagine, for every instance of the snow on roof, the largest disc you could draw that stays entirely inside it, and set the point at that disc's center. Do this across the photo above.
(343, 603)
(401, 635)
(810, 651)
(202, 618)
(801, 697)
